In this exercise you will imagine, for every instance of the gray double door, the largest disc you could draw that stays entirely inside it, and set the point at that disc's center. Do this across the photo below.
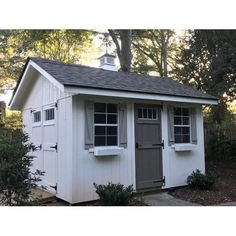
(148, 146)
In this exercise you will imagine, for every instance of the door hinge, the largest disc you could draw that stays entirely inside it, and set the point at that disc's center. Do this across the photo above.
(163, 181)
(38, 148)
(55, 147)
(158, 144)
(163, 144)
(54, 186)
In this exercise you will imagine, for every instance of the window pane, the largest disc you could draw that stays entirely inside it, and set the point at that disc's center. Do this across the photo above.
(112, 130)
(100, 107)
(185, 120)
(186, 139)
(177, 111)
(177, 120)
(111, 119)
(37, 116)
(111, 108)
(100, 130)
(100, 119)
(178, 130)
(110, 60)
(140, 113)
(154, 114)
(185, 112)
(149, 113)
(100, 140)
(111, 140)
(178, 139)
(185, 130)
(49, 114)
(145, 113)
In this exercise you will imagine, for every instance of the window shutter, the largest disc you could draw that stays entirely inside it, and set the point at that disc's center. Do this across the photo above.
(171, 135)
(193, 125)
(123, 125)
(89, 124)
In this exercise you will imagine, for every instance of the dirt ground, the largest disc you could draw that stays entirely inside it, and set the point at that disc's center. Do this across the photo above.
(224, 190)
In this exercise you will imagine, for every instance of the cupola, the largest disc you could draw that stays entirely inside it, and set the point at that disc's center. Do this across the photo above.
(107, 62)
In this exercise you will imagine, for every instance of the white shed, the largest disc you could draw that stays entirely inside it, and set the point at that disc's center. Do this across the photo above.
(93, 125)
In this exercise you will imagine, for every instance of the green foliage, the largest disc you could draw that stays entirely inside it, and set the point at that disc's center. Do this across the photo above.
(114, 194)
(208, 63)
(154, 51)
(16, 179)
(220, 141)
(197, 180)
(13, 120)
(63, 45)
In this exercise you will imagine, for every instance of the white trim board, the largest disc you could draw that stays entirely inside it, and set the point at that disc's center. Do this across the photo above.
(135, 95)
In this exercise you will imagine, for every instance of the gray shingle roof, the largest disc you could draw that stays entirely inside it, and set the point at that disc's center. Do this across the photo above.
(83, 76)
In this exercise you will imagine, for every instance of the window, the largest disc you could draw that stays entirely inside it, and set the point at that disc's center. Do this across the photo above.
(147, 114)
(110, 60)
(102, 61)
(105, 124)
(49, 114)
(37, 116)
(182, 125)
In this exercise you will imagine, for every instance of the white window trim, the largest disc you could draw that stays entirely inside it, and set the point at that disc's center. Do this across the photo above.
(182, 126)
(111, 125)
(36, 124)
(48, 122)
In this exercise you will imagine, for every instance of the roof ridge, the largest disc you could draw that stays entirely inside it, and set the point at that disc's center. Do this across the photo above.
(78, 65)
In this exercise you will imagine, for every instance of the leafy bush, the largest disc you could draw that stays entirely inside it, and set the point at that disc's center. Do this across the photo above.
(220, 141)
(200, 181)
(16, 180)
(114, 194)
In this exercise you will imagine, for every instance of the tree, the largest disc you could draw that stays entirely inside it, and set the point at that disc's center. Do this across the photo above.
(122, 40)
(208, 63)
(13, 120)
(63, 45)
(154, 50)
(16, 179)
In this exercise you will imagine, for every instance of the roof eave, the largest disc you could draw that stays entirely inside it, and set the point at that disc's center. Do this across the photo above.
(86, 90)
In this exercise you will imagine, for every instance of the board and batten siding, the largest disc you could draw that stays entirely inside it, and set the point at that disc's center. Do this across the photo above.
(89, 169)
(177, 166)
(43, 93)
(65, 149)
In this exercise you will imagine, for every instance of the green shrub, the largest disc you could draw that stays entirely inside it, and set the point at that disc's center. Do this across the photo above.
(16, 179)
(197, 180)
(114, 194)
(220, 141)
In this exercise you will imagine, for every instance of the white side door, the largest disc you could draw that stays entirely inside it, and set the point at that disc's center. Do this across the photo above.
(49, 147)
(36, 138)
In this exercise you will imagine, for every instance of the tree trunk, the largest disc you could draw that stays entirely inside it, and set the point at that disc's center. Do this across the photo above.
(123, 48)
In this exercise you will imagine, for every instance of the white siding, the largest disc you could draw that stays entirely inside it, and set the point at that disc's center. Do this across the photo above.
(88, 169)
(42, 93)
(177, 166)
(65, 171)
